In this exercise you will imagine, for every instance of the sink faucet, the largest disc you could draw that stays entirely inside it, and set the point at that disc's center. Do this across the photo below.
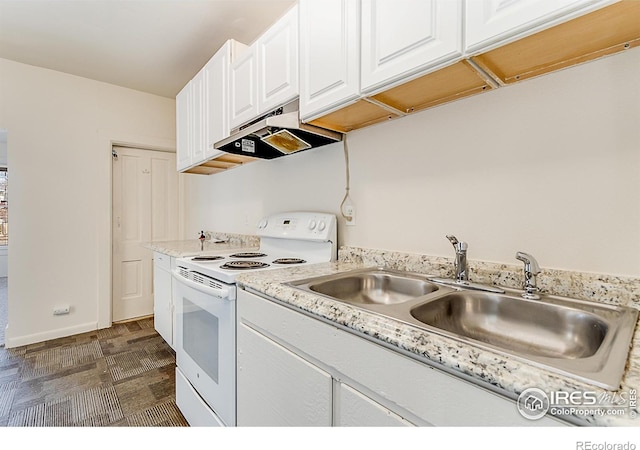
(461, 278)
(462, 273)
(202, 239)
(531, 269)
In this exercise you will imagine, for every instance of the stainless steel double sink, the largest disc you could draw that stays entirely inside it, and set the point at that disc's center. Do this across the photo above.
(585, 340)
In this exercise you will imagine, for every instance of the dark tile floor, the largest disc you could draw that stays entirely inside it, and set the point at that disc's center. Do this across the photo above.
(119, 376)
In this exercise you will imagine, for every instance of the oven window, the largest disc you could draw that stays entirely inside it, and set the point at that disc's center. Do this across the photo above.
(200, 336)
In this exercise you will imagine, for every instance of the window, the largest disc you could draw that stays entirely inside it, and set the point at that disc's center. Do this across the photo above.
(4, 198)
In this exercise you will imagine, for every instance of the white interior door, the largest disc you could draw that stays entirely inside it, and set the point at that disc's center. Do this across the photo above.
(145, 209)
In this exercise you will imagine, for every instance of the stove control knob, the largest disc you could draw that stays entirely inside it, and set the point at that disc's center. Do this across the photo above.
(322, 226)
(312, 224)
(262, 224)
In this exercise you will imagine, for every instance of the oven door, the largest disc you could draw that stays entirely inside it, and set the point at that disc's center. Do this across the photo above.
(206, 343)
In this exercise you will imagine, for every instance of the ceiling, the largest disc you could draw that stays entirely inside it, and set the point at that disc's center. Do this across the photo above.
(154, 46)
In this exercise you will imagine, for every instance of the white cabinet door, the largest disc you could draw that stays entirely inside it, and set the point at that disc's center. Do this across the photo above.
(401, 38)
(183, 124)
(198, 118)
(216, 99)
(162, 297)
(329, 55)
(216, 79)
(354, 409)
(189, 123)
(243, 88)
(496, 21)
(275, 387)
(278, 63)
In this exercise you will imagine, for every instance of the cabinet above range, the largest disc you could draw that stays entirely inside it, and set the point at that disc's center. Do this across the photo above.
(202, 116)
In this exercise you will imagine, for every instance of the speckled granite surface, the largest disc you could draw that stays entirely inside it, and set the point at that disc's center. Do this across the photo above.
(505, 374)
(192, 247)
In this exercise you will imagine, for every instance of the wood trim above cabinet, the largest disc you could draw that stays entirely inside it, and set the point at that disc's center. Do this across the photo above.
(459, 80)
(456, 81)
(360, 114)
(220, 164)
(603, 32)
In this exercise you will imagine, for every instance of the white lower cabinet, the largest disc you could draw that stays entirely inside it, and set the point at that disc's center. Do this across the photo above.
(354, 409)
(278, 388)
(294, 369)
(163, 296)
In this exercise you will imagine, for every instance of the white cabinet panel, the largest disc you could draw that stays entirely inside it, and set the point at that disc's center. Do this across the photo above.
(216, 96)
(496, 21)
(198, 118)
(278, 63)
(243, 87)
(216, 80)
(163, 297)
(329, 54)
(404, 37)
(183, 134)
(265, 76)
(354, 409)
(189, 123)
(275, 387)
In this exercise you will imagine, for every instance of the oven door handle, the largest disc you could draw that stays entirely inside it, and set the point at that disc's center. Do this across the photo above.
(225, 293)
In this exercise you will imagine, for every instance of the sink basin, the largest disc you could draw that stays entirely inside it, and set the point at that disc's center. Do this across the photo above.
(585, 340)
(370, 286)
(526, 327)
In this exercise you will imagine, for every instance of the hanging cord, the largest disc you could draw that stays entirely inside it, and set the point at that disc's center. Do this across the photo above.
(348, 181)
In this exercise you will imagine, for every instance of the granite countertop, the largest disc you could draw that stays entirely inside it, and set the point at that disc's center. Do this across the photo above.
(218, 243)
(502, 373)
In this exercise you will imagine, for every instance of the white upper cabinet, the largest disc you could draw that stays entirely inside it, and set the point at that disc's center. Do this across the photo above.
(265, 76)
(243, 88)
(189, 127)
(198, 122)
(401, 38)
(216, 96)
(490, 22)
(183, 134)
(278, 63)
(202, 110)
(329, 54)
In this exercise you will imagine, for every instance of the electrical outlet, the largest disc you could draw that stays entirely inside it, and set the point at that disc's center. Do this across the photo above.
(350, 214)
(61, 311)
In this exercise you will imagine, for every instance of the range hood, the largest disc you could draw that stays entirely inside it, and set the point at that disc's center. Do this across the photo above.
(276, 134)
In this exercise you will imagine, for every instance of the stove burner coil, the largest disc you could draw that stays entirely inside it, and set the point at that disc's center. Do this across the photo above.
(289, 261)
(244, 265)
(206, 258)
(248, 255)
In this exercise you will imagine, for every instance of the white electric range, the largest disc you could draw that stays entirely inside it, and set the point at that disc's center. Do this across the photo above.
(205, 294)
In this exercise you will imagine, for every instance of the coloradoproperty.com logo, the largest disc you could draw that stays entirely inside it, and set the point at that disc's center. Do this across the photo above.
(534, 403)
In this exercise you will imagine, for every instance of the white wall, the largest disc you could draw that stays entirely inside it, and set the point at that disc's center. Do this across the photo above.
(59, 127)
(550, 166)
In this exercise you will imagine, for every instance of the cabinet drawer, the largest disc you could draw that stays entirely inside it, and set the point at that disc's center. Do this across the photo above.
(191, 405)
(162, 261)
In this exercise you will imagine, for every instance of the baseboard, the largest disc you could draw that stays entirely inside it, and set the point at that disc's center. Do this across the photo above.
(19, 341)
